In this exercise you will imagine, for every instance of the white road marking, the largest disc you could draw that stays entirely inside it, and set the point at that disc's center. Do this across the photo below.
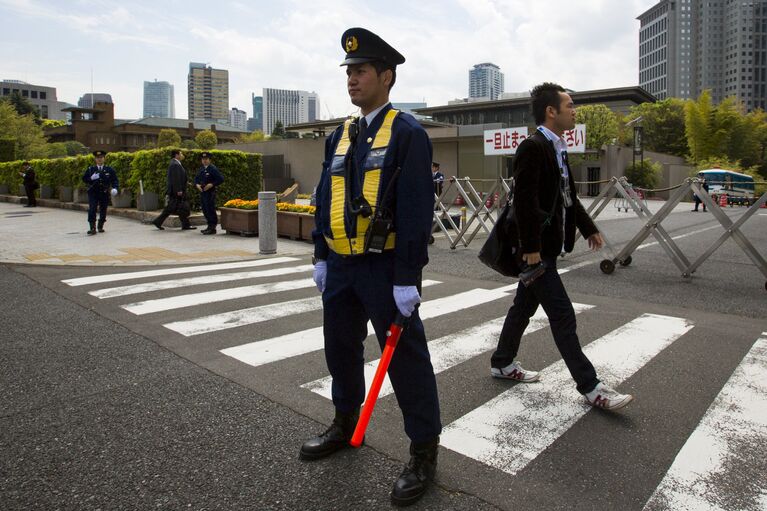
(219, 295)
(448, 351)
(714, 462)
(148, 287)
(114, 277)
(512, 429)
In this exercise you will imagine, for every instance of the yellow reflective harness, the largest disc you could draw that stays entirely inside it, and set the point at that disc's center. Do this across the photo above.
(338, 242)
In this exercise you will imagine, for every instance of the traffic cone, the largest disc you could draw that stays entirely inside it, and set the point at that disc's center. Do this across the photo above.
(723, 200)
(458, 200)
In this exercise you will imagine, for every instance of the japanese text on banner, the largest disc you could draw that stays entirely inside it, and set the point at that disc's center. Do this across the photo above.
(506, 141)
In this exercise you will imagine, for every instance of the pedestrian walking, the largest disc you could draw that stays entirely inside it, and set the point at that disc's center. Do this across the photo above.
(704, 185)
(374, 210)
(178, 202)
(208, 178)
(547, 210)
(29, 180)
(102, 181)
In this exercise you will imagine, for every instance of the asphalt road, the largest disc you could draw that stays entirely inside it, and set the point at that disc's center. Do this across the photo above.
(114, 403)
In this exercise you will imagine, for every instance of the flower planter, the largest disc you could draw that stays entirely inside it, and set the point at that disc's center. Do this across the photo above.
(46, 192)
(65, 193)
(289, 224)
(307, 226)
(123, 199)
(150, 201)
(80, 196)
(240, 221)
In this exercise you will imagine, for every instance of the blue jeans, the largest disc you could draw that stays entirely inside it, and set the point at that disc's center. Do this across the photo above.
(549, 292)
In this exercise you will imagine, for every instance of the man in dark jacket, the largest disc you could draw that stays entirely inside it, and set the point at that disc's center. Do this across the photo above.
(30, 183)
(178, 203)
(208, 178)
(548, 211)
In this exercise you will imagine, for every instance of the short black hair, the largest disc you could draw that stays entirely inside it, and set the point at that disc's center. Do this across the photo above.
(380, 67)
(544, 96)
(174, 152)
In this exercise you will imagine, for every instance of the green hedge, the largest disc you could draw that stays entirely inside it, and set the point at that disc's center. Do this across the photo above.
(242, 172)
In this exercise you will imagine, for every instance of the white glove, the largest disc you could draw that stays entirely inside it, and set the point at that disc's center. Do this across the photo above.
(94, 176)
(114, 192)
(406, 298)
(320, 274)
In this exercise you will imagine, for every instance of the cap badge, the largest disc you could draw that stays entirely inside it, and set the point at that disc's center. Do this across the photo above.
(351, 44)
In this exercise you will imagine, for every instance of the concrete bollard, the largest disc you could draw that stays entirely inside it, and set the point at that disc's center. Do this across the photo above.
(267, 223)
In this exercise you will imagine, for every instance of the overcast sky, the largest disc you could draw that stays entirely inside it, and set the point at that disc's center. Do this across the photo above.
(295, 44)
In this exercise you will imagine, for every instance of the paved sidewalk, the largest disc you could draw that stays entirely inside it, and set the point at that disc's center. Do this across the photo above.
(57, 236)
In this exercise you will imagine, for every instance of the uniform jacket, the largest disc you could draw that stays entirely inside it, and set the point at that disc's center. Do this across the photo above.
(29, 177)
(411, 199)
(211, 175)
(106, 181)
(536, 187)
(177, 180)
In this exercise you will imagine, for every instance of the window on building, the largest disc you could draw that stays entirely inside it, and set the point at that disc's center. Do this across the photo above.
(24, 93)
(33, 94)
(43, 95)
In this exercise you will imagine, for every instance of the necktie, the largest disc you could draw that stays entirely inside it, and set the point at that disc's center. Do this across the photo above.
(363, 128)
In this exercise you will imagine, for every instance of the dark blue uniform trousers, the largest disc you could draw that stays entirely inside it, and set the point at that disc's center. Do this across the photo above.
(359, 288)
(548, 291)
(208, 201)
(97, 199)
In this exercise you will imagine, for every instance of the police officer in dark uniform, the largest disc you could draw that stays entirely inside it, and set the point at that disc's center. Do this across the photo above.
(437, 177)
(30, 183)
(101, 180)
(373, 220)
(207, 180)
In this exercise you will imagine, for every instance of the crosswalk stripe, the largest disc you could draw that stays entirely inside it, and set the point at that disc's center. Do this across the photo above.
(161, 285)
(448, 351)
(114, 277)
(251, 315)
(279, 348)
(712, 463)
(512, 429)
(219, 295)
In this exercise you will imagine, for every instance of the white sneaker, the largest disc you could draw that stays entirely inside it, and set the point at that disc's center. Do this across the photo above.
(514, 371)
(604, 397)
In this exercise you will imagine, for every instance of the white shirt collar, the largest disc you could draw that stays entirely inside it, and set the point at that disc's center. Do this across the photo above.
(559, 142)
(372, 115)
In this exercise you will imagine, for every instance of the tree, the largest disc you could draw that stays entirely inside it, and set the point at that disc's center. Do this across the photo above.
(23, 106)
(74, 148)
(601, 125)
(256, 136)
(278, 131)
(52, 123)
(189, 144)
(643, 174)
(57, 150)
(168, 138)
(664, 126)
(30, 140)
(206, 139)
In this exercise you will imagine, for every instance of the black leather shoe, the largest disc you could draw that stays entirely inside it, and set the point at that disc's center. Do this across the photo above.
(418, 474)
(188, 228)
(92, 231)
(209, 231)
(335, 438)
(158, 226)
(101, 226)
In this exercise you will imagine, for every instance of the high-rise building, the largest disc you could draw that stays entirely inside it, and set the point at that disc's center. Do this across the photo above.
(289, 107)
(688, 46)
(208, 93)
(238, 118)
(89, 99)
(485, 81)
(159, 100)
(257, 121)
(42, 97)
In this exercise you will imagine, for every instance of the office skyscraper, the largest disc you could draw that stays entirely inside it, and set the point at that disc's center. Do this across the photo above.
(238, 118)
(208, 93)
(485, 81)
(688, 46)
(289, 107)
(257, 121)
(159, 100)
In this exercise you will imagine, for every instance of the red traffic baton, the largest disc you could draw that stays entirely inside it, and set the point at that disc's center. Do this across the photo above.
(392, 338)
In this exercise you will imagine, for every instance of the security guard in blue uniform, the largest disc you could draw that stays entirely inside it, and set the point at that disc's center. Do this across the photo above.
(208, 178)
(374, 209)
(101, 180)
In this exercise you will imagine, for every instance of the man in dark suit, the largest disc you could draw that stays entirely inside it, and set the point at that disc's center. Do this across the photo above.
(30, 183)
(178, 203)
(548, 211)
(375, 178)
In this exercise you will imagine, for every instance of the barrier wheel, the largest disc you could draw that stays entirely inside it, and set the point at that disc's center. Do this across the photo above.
(607, 266)
(626, 261)
(431, 240)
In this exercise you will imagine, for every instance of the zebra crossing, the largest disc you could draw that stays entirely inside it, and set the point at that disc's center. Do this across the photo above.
(282, 290)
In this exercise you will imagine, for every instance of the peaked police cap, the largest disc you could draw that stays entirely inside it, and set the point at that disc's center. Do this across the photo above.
(363, 46)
